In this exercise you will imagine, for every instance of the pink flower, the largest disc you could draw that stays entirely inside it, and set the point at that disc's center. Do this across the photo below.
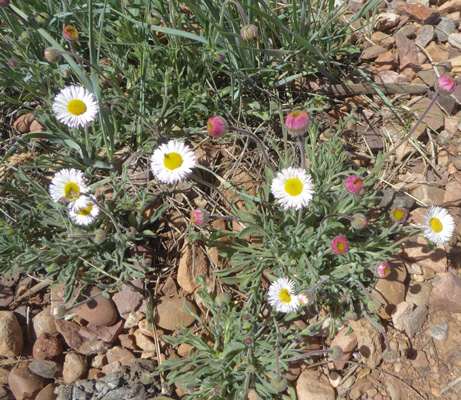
(398, 214)
(199, 217)
(445, 85)
(354, 184)
(297, 122)
(70, 33)
(383, 270)
(217, 126)
(339, 245)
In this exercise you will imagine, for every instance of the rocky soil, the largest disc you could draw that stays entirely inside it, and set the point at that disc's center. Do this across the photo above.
(107, 350)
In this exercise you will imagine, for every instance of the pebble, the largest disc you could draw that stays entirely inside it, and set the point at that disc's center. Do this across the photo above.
(313, 385)
(334, 378)
(446, 294)
(47, 393)
(347, 343)
(419, 360)
(439, 331)
(45, 369)
(46, 346)
(193, 262)
(75, 366)
(360, 387)
(24, 384)
(444, 28)
(393, 387)
(6, 296)
(11, 340)
(418, 293)
(169, 313)
(455, 40)
(44, 322)
(143, 342)
(425, 35)
(128, 300)
(347, 384)
(99, 311)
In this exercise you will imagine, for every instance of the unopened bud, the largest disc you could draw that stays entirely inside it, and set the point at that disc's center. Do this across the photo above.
(249, 32)
(223, 298)
(221, 57)
(70, 33)
(336, 354)
(99, 236)
(51, 55)
(351, 315)
(153, 18)
(390, 356)
(279, 385)
(374, 306)
(42, 18)
(59, 311)
(12, 63)
(360, 221)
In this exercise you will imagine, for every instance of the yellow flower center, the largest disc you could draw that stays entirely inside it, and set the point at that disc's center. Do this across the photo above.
(296, 114)
(85, 211)
(71, 191)
(294, 186)
(76, 107)
(285, 296)
(398, 214)
(436, 225)
(340, 246)
(172, 161)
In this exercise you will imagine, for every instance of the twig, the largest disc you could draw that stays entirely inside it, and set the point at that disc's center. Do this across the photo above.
(34, 290)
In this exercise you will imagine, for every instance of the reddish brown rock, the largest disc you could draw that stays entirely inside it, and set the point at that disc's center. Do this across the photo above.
(47, 393)
(347, 343)
(430, 195)
(386, 76)
(99, 311)
(450, 7)
(386, 61)
(408, 56)
(436, 52)
(107, 333)
(418, 251)
(419, 13)
(452, 196)
(312, 384)
(383, 39)
(129, 298)
(169, 314)
(11, 341)
(370, 53)
(47, 347)
(435, 118)
(70, 332)
(24, 384)
(446, 293)
(193, 262)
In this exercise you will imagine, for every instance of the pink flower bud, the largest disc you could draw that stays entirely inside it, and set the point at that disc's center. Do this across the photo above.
(297, 122)
(217, 126)
(70, 33)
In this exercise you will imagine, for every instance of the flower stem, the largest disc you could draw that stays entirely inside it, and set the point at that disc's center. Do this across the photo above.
(245, 21)
(302, 150)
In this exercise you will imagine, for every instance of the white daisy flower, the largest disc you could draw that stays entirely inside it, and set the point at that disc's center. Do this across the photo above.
(86, 214)
(281, 295)
(69, 185)
(75, 106)
(439, 225)
(172, 162)
(293, 187)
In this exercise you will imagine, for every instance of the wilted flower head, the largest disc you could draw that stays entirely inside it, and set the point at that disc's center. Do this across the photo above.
(12, 63)
(42, 18)
(336, 354)
(99, 236)
(374, 305)
(382, 270)
(445, 85)
(222, 298)
(281, 295)
(351, 315)
(70, 33)
(398, 214)
(359, 221)
(340, 245)
(304, 297)
(390, 356)
(297, 122)
(249, 32)
(354, 184)
(153, 18)
(279, 385)
(199, 217)
(217, 126)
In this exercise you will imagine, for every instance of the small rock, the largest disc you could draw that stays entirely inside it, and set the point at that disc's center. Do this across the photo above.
(446, 103)
(393, 387)
(45, 369)
(429, 77)
(387, 21)
(435, 118)
(90, 347)
(128, 300)
(47, 393)
(446, 294)
(455, 40)
(99, 311)
(75, 366)
(22, 124)
(46, 346)
(419, 13)
(419, 360)
(11, 340)
(6, 296)
(402, 311)
(414, 322)
(386, 61)
(133, 319)
(386, 76)
(143, 342)
(418, 293)
(419, 252)
(170, 313)
(347, 343)
(391, 291)
(452, 196)
(347, 384)
(436, 53)
(107, 333)
(335, 379)
(368, 342)
(425, 35)
(360, 387)
(193, 262)
(70, 332)
(444, 28)
(94, 373)
(382, 39)
(312, 385)
(24, 384)
(44, 322)
(429, 195)
(36, 127)
(370, 53)
(439, 331)
(450, 7)
(117, 353)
